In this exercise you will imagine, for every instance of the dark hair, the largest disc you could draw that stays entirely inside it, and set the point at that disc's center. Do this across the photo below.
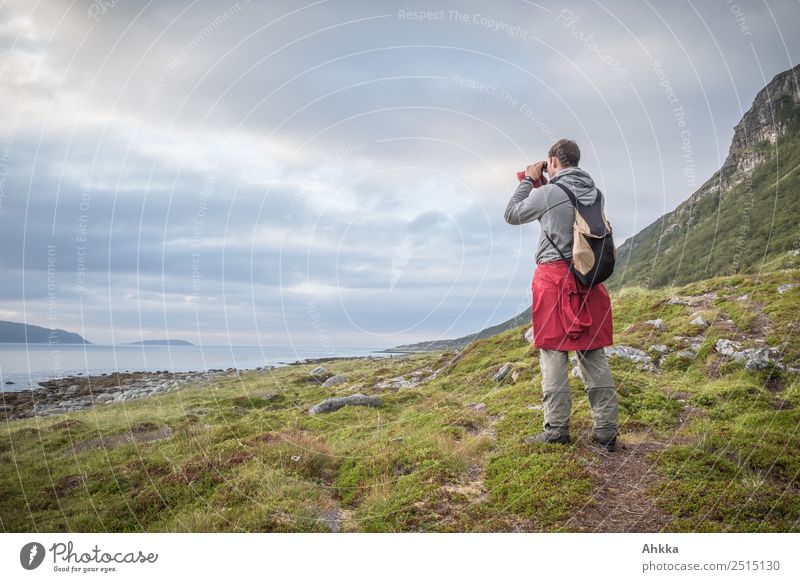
(566, 151)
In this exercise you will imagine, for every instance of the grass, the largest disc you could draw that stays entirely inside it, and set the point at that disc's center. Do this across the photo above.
(242, 454)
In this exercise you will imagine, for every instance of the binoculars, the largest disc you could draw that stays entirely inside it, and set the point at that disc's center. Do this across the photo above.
(521, 175)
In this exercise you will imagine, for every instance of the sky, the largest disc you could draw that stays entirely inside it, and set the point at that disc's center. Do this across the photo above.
(334, 173)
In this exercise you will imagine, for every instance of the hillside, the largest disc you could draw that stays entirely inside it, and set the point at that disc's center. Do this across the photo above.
(13, 332)
(746, 214)
(709, 416)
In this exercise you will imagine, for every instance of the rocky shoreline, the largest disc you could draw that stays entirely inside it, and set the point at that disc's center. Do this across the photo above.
(74, 393)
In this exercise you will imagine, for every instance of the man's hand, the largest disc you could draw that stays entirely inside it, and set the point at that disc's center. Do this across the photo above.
(534, 171)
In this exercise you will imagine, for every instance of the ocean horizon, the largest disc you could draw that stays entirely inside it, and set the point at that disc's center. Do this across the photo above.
(23, 366)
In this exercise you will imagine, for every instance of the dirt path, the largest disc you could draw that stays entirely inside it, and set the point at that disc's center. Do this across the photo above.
(620, 502)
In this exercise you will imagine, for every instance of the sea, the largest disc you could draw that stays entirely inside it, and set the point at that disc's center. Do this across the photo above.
(22, 366)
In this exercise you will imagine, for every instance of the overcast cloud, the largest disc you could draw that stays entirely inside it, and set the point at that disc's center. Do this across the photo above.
(335, 173)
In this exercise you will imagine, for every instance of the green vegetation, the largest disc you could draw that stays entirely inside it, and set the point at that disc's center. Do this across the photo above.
(710, 445)
(750, 227)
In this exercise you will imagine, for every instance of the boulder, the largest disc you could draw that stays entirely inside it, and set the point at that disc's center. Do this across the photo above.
(727, 347)
(659, 348)
(529, 335)
(699, 321)
(335, 379)
(332, 404)
(754, 359)
(318, 371)
(501, 374)
(784, 288)
(657, 324)
(631, 354)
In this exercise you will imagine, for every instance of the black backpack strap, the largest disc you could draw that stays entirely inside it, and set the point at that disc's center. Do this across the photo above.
(555, 247)
(574, 201)
(568, 192)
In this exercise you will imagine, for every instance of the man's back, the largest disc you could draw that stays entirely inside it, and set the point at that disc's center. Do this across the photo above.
(529, 204)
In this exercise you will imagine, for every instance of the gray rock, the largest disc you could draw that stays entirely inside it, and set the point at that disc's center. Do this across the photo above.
(699, 320)
(335, 379)
(659, 348)
(631, 354)
(727, 347)
(756, 359)
(332, 404)
(479, 407)
(686, 355)
(576, 371)
(656, 323)
(784, 288)
(318, 371)
(502, 372)
(529, 335)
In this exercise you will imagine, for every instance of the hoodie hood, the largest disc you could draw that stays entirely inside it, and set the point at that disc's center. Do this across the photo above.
(581, 184)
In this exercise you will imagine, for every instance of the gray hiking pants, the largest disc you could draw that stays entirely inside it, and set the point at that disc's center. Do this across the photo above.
(599, 386)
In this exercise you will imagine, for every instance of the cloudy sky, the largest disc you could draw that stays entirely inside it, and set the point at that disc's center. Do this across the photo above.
(334, 173)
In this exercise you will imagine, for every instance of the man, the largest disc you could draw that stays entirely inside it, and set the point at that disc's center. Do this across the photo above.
(566, 316)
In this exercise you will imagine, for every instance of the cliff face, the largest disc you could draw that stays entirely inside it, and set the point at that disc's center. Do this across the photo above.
(765, 122)
(768, 130)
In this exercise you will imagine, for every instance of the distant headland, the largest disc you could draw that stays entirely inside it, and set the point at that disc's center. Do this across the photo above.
(22, 333)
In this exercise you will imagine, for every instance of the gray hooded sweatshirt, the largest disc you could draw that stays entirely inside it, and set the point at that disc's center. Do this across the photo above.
(529, 204)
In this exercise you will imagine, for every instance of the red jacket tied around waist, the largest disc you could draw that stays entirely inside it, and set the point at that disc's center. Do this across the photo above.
(566, 315)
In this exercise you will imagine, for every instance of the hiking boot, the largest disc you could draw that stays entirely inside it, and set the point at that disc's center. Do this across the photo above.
(543, 437)
(606, 443)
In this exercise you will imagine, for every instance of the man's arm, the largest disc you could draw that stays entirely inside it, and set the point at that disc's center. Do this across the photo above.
(525, 206)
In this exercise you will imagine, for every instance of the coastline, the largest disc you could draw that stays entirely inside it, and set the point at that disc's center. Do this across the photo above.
(73, 393)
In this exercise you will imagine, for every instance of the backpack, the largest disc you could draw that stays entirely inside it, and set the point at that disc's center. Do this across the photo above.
(593, 250)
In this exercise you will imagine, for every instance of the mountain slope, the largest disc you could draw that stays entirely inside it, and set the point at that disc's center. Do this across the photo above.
(744, 215)
(13, 332)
